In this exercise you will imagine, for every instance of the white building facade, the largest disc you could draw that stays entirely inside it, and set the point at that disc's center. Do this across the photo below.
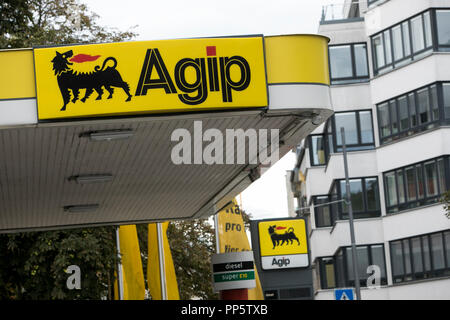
(390, 75)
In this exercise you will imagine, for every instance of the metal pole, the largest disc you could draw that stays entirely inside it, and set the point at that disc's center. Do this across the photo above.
(216, 231)
(119, 267)
(350, 218)
(162, 267)
(322, 204)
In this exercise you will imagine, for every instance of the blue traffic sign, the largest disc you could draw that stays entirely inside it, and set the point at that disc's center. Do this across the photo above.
(344, 294)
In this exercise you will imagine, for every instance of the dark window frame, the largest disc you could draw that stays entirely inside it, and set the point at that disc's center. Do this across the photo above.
(331, 146)
(311, 153)
(353, 147)
(413, 56)
(328, 139)
(329, 135)
(344, 278)
(314, 200)
(426, 200)
(336, 209)
(372, 2)
(412, 130)
(424, 274)
(438, 46)
(354, 78)
(365, 213)
(322, 272)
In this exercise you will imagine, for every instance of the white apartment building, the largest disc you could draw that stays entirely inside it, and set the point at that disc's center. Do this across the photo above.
(390, 75)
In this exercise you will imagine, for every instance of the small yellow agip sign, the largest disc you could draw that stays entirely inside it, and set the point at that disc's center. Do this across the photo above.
(150, 76)
(283, 244)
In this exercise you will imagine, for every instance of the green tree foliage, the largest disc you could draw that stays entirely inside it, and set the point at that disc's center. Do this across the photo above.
(33, 265)
(27, 23)
(192, 243)
(14, 15)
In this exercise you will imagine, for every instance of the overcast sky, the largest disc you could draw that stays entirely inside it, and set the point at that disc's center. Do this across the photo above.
(169, 19)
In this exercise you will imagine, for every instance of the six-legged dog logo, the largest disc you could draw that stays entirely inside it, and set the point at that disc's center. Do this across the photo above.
(105, 76)
(288, 236)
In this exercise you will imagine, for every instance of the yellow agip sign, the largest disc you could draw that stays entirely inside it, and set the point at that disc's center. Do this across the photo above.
(283, 244)
(150, 76)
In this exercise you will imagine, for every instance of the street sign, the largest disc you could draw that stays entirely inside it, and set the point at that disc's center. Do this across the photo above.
(234, 270)
(283, 244)
(344, 294)
(281, 281)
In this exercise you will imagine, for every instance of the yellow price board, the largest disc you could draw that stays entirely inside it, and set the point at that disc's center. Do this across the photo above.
(283, 244)
(150, 76)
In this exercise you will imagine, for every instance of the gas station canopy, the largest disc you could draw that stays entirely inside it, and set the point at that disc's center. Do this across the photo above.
(87, 131)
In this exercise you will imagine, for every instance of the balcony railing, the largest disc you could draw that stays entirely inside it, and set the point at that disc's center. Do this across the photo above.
(349, 10)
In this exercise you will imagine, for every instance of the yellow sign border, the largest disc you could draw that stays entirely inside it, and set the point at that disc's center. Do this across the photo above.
(256, 97)
(304, 249)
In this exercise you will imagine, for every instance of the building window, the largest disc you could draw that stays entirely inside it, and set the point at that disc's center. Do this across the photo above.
(321, 146)
(446, 99)
(421, 257)
(341, 62)
(317, 149)
(358, 130)
(322, 211)
(328, 135)
(373, 2)
(416, 185)
(348, 121)
(337, 271)
(364, 195)
(378, 52)
(361, 64)
(413, 112)
(358, 135)
(418, 39)
(356, 196)
(411, 40)
(327, 273)
(443, 28)
(348, 63)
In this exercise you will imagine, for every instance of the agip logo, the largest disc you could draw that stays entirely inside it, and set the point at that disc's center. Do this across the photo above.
(70, 81)
(278, 239)
(283, 244)
(281, 262)
(194, 91)
(146, 77)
